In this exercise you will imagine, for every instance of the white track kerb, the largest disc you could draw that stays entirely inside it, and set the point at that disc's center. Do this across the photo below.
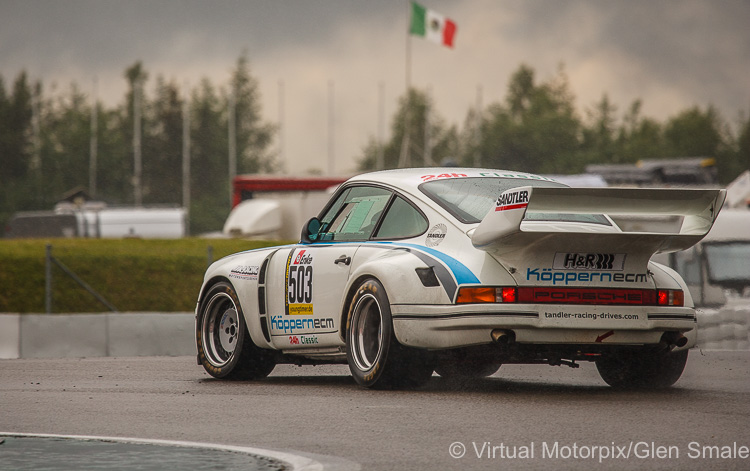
(295, 462)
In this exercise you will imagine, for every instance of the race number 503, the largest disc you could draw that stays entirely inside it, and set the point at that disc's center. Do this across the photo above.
(300, 284)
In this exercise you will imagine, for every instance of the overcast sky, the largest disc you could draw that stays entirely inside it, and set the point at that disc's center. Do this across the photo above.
(671, 54)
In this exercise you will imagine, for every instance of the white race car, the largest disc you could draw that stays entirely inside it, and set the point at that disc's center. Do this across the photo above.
(407, 272)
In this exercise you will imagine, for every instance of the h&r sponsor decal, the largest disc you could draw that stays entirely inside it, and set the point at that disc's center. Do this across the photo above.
(589, 261)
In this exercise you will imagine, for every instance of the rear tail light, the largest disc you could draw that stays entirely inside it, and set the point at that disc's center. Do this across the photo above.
(551, 295)
(509, 295)
(484, 294)
(671, 297)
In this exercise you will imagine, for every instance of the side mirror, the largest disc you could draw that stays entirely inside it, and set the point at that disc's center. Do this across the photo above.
(310, 231)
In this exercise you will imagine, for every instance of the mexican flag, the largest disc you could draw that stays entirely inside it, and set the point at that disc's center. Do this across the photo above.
(431, 25)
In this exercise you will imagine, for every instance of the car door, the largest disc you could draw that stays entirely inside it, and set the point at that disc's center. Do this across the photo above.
(315, 274)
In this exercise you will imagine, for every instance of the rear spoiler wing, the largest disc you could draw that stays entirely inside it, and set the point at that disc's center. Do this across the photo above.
(503, 229)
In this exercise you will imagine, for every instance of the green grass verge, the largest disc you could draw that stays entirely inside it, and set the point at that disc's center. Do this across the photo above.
(132, 274)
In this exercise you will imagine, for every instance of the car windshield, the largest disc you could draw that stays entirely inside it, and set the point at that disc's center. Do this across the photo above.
(470, 199)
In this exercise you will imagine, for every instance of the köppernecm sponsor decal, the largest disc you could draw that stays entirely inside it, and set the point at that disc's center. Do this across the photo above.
(297, 324)
(562, 277)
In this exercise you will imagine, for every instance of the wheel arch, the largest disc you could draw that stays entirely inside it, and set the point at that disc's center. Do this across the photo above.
(252, 323)
(354, 284)
(393, 271)
(207, 286)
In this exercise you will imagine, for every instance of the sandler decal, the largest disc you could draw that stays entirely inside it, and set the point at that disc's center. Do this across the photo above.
(436, 235)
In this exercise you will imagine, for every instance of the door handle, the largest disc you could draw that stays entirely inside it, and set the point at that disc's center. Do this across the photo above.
(343, 259)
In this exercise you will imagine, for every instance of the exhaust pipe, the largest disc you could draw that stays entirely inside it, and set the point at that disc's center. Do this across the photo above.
(675, 339)
(503, 337)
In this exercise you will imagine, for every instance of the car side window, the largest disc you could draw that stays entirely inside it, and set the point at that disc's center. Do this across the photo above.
(354, 214)
(401, 221)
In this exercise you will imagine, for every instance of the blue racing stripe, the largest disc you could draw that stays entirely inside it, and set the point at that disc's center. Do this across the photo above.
(460, 271)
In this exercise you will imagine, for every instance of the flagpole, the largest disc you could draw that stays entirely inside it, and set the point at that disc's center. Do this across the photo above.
(408, 45)
(404, 160)
(381, 126)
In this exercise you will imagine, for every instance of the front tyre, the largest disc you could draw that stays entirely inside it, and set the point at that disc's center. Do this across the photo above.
(225, 348)
(642, 370)
(376, 359)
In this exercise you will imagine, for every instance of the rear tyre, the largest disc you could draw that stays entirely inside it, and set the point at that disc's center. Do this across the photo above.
(642, 370)
(225, 348)
(376, 359)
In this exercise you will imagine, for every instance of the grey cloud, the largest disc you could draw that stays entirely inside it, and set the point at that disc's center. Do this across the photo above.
(671, 53)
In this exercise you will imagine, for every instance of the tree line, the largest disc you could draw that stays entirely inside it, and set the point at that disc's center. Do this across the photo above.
(45, 143)
(538, 129)
(45, 139)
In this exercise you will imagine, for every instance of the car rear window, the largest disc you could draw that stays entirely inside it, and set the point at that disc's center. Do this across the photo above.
(470, 199)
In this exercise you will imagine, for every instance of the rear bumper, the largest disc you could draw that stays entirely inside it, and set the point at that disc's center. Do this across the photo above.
(451, 326)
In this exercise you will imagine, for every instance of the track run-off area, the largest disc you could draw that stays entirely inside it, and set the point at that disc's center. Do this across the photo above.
(523, 417)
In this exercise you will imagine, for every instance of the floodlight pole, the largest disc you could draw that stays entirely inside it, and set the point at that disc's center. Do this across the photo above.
(427, 154)
(186, 155)
(94, 142)
(232, 143)
(478, 129)
(282, 130)
(331, 155)
(137, 159)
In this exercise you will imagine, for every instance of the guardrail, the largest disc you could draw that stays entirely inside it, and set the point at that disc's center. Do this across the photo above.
(49, 260)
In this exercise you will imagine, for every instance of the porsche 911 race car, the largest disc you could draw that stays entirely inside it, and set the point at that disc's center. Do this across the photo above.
(458, 271)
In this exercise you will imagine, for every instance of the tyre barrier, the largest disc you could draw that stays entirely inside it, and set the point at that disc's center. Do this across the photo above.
(725, 328)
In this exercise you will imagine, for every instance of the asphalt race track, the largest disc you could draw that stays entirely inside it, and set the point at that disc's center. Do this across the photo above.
(524, 417)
